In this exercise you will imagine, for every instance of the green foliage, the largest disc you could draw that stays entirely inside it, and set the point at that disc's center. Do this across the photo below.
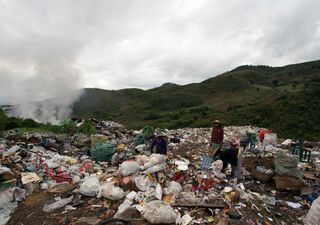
(87, 128)
(285, 99)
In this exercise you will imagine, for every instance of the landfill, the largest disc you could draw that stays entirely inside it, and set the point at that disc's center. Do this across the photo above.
(113, 178)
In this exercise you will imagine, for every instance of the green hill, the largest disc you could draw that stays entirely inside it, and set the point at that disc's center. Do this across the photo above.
(285, 99)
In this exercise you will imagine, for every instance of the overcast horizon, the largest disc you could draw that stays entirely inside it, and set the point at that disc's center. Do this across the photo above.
(52, 47)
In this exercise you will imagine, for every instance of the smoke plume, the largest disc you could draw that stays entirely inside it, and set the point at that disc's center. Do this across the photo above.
(43, 80)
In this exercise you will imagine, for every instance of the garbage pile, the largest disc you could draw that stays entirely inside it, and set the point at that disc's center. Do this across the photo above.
(105, 178)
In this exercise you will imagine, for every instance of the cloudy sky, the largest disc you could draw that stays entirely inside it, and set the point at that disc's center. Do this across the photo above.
(48, 47)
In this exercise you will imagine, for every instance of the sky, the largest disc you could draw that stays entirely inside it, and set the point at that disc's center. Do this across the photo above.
(52, 47)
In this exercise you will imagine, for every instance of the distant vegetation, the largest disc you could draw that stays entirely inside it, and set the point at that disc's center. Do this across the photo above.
(285, 99)
(28, 125)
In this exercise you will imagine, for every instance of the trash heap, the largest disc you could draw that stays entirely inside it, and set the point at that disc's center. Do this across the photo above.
(107, 178)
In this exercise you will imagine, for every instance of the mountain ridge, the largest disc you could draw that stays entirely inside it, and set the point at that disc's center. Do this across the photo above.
(240, 96)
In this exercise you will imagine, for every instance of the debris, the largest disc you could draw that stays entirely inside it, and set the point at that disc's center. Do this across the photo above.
(90, 186)
(109, 191)
(313, 216)
(158, 212)
(135, 184)
(128, 168)
(294, 205)
(57, 205)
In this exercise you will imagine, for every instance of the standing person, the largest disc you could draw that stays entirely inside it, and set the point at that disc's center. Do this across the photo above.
(160, 143)
(217, 136)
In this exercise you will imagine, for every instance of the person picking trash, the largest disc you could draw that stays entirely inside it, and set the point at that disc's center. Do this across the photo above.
(216, 137)
(160, 143)
(232, 155)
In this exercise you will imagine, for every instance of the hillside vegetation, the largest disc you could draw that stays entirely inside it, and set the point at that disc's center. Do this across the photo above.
(285, 99)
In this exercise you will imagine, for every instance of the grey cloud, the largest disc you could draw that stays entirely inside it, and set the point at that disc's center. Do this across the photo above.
(49, 47)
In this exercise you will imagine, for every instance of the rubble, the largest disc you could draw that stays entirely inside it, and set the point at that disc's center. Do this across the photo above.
(53, 175)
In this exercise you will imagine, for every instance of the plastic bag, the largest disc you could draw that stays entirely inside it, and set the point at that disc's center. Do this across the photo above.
(313, 216)
(158, 192)
(158, 212)
(217, 167)
(122, 208)
(129, 167)
(90, 186)
(57, 205)
(154, 159)
(156, 168)
(174, 188)
(185, 220)
(144, 183)
(6, 205)
(141, 159)
(109, 191)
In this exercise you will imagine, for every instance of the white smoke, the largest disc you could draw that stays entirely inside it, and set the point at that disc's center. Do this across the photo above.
(42, 82)
(48, 111)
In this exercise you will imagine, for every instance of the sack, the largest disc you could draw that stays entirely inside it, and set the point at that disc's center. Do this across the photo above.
(158, 212)
(109, 191)
(103, 152)
(287, 165)
(313, 216)
(147, 131)
(139, 140)
(90, 186)
(98, 139)
(128, 168)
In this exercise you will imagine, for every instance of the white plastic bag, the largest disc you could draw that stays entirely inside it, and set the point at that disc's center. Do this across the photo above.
(156, 168)
(313, 216)
(217, 167)
(109, 191)
(6, 205)
(144, 183)
(158, 212)
(129, 167)
(154, 159)
(159, 192)
(90, 186)
(57, 205)
(123, 207)
(185, 220)
(174, 188)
